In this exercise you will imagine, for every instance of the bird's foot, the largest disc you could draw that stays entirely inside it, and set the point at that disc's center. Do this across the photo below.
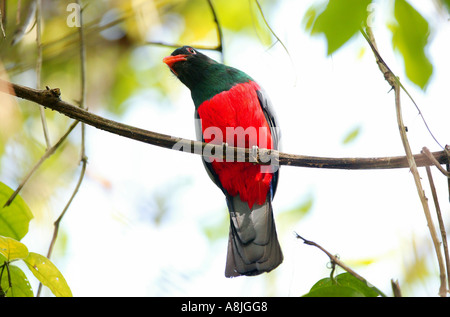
(254, 154)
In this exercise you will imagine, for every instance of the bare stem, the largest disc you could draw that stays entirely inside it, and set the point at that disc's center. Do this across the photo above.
(49, 152)
(83, 140)
(39, 68)
(335, 261)
(441, 227)
(396, 86)
(218, 28)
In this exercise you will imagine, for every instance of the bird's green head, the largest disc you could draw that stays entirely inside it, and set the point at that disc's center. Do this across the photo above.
(202, 75)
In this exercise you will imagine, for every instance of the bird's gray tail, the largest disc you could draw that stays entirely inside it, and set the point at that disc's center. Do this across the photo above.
(253, 246)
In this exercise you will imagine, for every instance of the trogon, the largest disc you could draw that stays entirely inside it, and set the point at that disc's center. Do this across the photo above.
(232, 109)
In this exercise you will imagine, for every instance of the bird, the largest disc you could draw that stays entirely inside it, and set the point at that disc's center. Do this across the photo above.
(231, 109)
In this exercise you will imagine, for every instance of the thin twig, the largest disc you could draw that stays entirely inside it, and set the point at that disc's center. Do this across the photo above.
(83, 84)
(24, 22)
(9, 279)
(427, 152)
(420, 191)
(57, 223)
(39, 68)
(421, 115)
(3, 16)
(83, 140)
(441, 227)
(396, 288)
(395, 84)
(174, 45)
(49, 152)
(51, 99)
(384, 68)
(335, 260)
(273, 32)
(219, 30)
(66, 207)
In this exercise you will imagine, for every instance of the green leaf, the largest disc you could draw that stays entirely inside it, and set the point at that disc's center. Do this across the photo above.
(339, 22)
(344, 285)
(310, 16)
(290, 217)
(348, 280)
(20, 286)
(48, 274)
(410, 38)
(334, 291)
(352, 135)
(12, 249)
(124, 86)
(447, 4)
(217, 229)
(15, 218)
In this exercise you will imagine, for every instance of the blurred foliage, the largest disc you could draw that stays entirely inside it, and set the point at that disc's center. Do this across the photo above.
(410, 31)
(446, 3)
(352, 135)
(219, 229)
(417, 264)
(290, 217)
(410, 37)
(234, 15)
(331, 22)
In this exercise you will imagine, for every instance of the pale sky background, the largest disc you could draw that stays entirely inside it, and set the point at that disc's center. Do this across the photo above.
(114, 249)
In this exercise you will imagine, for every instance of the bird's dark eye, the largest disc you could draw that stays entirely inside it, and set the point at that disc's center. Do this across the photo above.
(191, 50)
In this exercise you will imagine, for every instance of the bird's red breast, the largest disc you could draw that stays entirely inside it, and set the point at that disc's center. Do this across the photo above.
(237, 117)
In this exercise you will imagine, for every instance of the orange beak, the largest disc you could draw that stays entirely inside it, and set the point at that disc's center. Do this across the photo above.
(170, 60)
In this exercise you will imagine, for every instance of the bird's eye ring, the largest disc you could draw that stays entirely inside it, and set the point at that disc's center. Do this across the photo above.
(191, 50)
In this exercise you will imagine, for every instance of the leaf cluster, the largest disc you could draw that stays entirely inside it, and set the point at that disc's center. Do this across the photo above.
(14, 223)
(339, 21)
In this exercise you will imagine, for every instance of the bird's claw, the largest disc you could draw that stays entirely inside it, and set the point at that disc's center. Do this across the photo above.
(254, 157)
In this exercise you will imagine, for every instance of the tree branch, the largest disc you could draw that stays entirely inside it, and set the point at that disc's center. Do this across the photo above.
(50, 98)
(441, 227)
(396, 86)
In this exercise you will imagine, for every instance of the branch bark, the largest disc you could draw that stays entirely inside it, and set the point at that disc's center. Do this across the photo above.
(50, 98)
(396, 86)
